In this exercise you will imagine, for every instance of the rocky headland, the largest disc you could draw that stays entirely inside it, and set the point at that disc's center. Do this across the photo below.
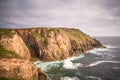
(20, 47)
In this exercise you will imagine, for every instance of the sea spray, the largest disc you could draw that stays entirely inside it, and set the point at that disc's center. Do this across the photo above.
(66, 63)
(69, 78)
(47, 65)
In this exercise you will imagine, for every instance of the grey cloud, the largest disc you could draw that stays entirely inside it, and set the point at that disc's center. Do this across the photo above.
(95, 17)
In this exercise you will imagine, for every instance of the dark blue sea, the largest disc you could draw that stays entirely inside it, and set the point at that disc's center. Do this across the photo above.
(96, 64)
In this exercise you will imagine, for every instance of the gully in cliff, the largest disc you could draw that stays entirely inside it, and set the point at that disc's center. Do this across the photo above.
(44, 44)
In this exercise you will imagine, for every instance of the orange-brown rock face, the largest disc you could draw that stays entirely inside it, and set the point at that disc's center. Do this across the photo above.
(49, 44)
(16, 43)
(56, 46)
(20, 69)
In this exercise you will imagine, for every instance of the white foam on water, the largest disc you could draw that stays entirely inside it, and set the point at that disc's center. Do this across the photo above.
(99, 62)
(101, 49)
(112, 46)
(76, 57)
(46, 65)
(76, 65)
(68, 64)
(98, 51)
(69, 78)
(94, 78)
(92, 51)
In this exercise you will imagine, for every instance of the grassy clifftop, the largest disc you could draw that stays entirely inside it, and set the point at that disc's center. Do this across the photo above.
(76, 34)
(73, 33)
(6, 32)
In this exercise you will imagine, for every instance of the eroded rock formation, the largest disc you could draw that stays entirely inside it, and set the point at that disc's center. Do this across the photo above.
(20, 69)
(49, 44)
(16, 44)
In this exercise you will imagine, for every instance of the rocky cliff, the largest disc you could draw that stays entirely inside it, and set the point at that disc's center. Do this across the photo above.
(48, 44)
(17, 69)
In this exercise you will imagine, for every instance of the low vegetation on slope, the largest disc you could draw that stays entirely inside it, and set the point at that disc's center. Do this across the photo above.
(7, 54)
(76, 34)
(5, 32)
(11, 78)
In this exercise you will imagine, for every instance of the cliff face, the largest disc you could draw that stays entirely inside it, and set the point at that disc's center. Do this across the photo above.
(49, 44)
(16, 44)
(17, 69)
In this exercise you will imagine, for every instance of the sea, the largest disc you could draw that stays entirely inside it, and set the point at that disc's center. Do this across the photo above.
(96, 64)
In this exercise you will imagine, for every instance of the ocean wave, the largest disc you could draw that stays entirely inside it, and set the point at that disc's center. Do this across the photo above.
(99, 62)
(47, 65)
(93, 78)
(92, 51)
(69, 78)
(101, 49)
(95, 50)
(67, 63)
(113, 46)
(98, 51)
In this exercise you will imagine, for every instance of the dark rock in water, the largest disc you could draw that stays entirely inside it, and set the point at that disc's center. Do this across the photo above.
(48, 44)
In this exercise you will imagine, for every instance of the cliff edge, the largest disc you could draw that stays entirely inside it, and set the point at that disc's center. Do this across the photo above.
(46, 44)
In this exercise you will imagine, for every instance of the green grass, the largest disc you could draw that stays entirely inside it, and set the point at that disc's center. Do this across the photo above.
(11, 78)
(6, 32)
(55, 30)
(75, 34)
(37, 34)
(7, 54)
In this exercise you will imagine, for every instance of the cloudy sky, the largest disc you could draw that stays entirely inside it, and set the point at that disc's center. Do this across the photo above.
(94, 17)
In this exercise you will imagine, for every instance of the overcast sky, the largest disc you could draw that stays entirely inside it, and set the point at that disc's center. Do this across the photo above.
(94, 17)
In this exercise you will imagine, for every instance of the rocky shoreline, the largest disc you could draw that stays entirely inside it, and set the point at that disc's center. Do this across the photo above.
(45, 44)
